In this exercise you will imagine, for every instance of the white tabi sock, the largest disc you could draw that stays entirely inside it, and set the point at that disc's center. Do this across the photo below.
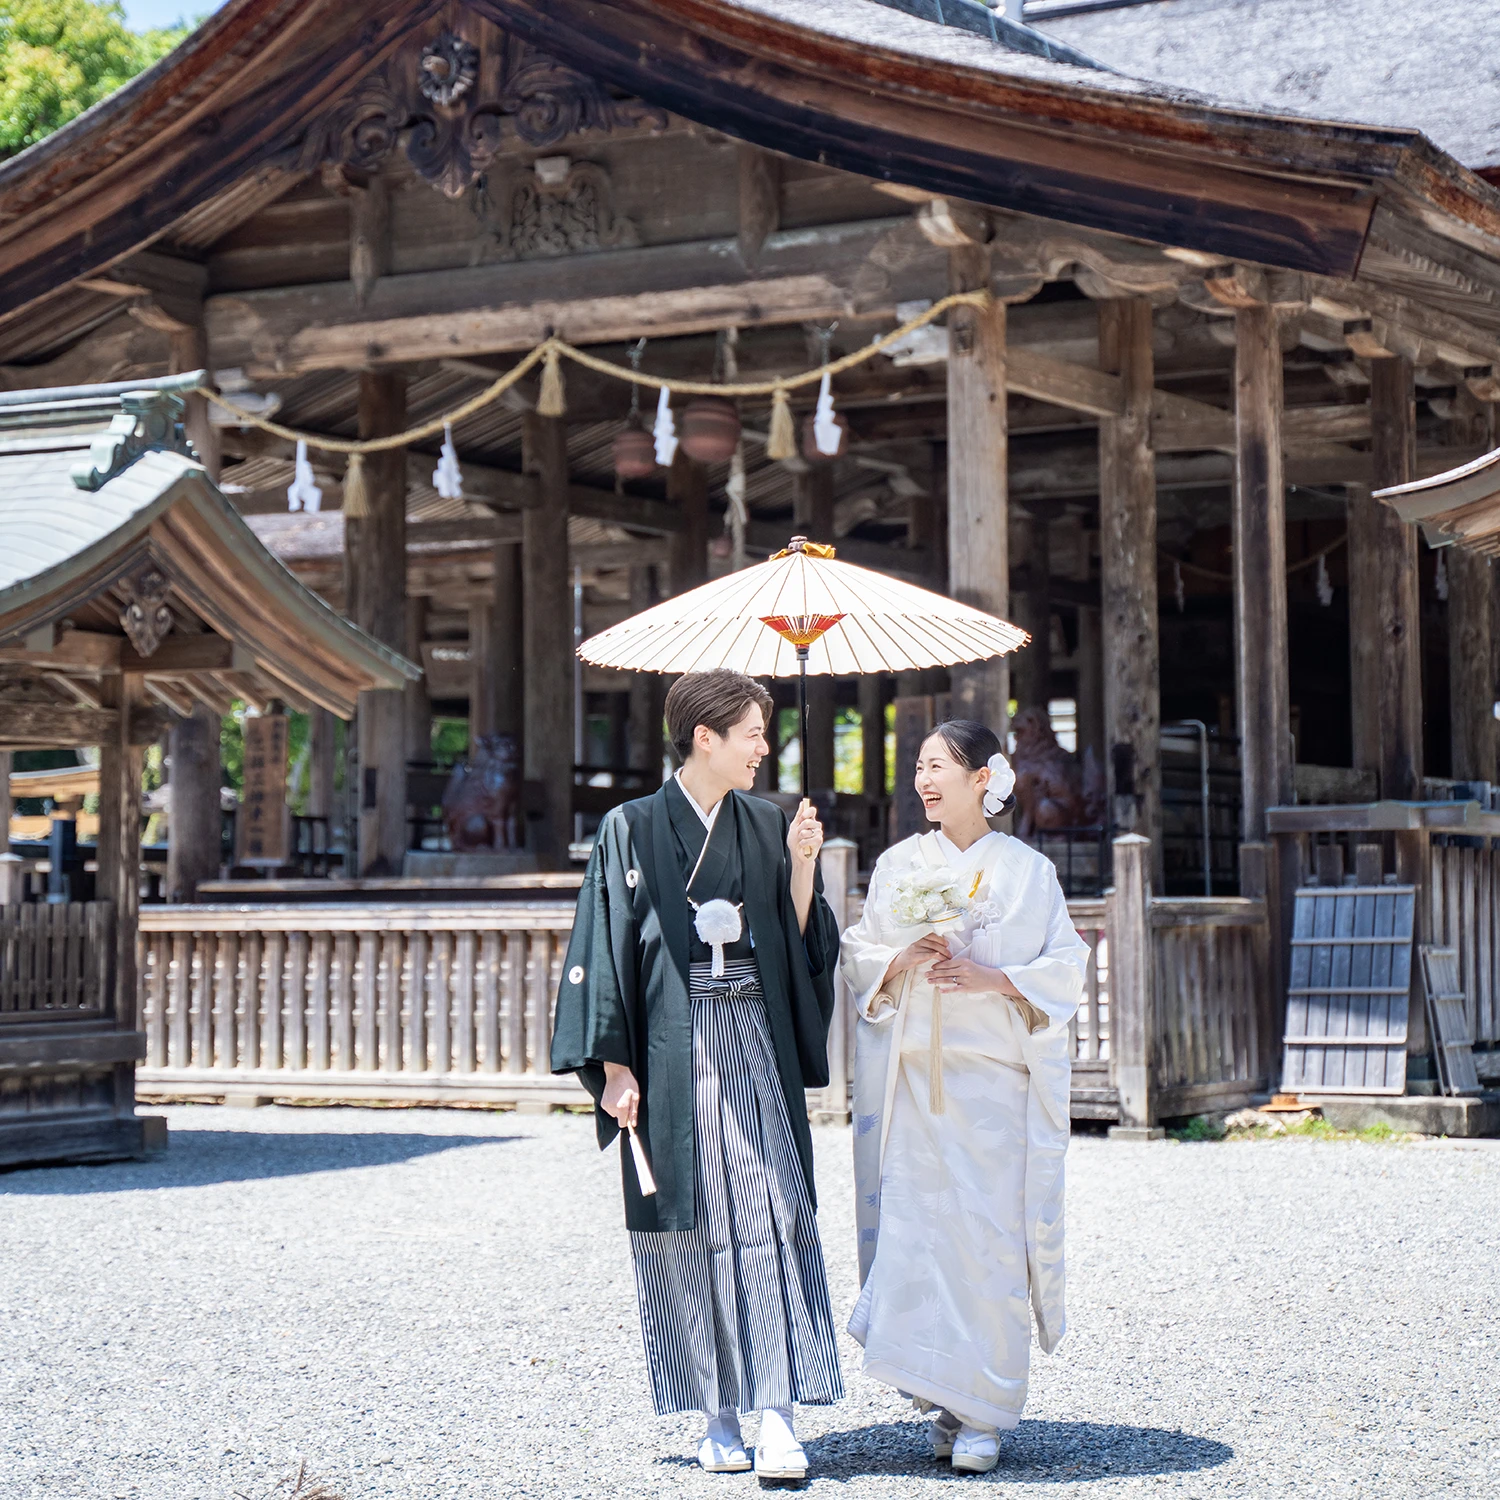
(725, 1427)
(776, 1431)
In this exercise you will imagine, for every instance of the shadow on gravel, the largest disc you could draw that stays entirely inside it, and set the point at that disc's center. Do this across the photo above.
(1037, 1453)
(197, 1158)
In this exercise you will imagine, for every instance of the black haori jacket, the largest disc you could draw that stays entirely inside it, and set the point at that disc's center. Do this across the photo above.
(624, 991)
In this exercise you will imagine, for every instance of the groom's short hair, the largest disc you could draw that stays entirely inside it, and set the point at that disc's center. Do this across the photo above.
(718, 699)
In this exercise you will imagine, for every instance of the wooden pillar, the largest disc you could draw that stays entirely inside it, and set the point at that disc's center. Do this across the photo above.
(193, 850)
(119, 846)
(1132, 999)
(418, 701)
(1471, 683)
(1031, 678)
(687, 550)
(1090, 683)
(322, 772)
(481, 671)
(507, 644)
(548, 638)
(643, 729)
(188, 350)
(812, 510)
(5, 804)
(872, 734)
(378, 549)
(1259, 542)
(978, 481)
(1384, 607)
(1127, 590)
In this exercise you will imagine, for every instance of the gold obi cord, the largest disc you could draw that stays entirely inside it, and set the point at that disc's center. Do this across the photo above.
(935, 1056)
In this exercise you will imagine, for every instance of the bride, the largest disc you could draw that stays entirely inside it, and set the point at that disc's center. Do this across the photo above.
(966, 971)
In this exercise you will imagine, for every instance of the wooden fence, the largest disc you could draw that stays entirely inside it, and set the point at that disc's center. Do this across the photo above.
(454, 1002)
(54, 960)
(1465, 885)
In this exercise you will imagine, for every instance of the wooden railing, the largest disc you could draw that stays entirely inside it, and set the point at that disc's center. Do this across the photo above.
(454, 1002)
(55, 960)
(430, 1003)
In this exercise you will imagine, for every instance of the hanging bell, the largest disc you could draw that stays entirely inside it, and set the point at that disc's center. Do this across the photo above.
(634, 450)
(710, 429)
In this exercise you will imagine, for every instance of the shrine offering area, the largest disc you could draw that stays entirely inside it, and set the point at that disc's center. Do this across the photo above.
(420, 1303)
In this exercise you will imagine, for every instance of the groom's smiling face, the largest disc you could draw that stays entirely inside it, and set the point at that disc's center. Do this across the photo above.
(735, 756)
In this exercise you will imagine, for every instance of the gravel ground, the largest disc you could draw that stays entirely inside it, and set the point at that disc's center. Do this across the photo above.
(439, 1305)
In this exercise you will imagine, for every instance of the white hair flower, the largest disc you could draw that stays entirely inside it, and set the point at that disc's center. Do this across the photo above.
(1002, 783)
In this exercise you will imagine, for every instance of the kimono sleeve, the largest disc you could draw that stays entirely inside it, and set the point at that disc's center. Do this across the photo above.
(592, 1023)
(864, 955)
(1053, 981)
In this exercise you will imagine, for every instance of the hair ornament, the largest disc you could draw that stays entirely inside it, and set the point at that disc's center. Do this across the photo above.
(1002, 783)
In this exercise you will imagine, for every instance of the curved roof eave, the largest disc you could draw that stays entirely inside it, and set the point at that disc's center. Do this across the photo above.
(843, 82)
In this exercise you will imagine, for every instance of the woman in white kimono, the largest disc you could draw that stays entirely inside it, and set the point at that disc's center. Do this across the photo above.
(966, 971)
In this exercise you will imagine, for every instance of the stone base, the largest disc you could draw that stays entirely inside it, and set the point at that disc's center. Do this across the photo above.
(1137, 1133)
(153, 1133)
(1430, 1115)
(430, 864)
(246, 1100)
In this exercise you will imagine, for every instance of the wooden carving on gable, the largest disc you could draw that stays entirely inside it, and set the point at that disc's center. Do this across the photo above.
(452, 99)
(538, 213)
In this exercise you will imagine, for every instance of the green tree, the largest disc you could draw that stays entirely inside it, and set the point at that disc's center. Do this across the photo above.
(57, 57)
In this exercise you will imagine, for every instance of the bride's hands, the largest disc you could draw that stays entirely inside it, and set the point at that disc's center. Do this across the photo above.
(926, 949)
(954, 976)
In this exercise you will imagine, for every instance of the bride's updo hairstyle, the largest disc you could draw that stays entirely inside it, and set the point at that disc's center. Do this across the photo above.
(972, 744)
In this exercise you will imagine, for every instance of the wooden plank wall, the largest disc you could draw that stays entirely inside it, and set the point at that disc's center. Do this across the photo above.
(1463, 895)
(54, 960)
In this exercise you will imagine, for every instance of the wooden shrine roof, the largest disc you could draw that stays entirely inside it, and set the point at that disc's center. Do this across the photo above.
(1461, 506)
(273, 86)
(117, 553)
(1421, 66)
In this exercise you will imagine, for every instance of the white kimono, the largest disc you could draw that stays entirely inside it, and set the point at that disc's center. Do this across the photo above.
(960, 1213)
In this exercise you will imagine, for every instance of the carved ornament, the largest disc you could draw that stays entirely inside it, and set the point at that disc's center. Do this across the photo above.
(452, 103)
(531, 219)
(145, 619)
(148, 422)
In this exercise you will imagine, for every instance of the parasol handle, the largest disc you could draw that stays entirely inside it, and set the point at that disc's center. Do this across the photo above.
(802, 723)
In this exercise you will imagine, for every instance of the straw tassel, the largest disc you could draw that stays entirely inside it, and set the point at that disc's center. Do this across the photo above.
(551, 400)
(935, 1099)
(356, 494)
(781, 441)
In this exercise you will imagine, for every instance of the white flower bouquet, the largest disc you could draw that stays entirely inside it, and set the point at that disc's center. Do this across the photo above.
(927, 894)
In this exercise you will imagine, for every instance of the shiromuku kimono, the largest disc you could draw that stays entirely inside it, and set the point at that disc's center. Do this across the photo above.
(961, 1124)
(729, 1267)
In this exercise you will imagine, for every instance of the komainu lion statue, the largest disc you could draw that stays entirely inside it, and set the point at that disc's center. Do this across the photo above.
(1053, 790)
(482, 802)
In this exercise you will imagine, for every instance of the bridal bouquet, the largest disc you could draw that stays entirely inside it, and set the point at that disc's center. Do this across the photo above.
(927, 894)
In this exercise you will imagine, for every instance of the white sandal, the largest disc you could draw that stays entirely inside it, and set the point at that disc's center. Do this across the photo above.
(976, 1450)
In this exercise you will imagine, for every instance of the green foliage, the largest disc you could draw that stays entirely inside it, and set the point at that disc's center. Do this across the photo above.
(1200, 1128)
(450, 741)
(57, 57)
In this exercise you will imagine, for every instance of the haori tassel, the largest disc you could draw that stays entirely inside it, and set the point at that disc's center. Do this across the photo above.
(781, 441)
(303, 492)
(356, 494)
(447, 478)
(665, 430)
(827, 433)
(717, 922)
(551, 400)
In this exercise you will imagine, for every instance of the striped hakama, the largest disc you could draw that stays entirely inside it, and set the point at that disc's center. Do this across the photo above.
(735, 1311)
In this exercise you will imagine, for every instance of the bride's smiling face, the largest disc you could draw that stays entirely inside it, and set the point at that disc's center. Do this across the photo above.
(948, 788)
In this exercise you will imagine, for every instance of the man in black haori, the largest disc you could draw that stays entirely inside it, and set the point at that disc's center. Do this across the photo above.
(694, 1007)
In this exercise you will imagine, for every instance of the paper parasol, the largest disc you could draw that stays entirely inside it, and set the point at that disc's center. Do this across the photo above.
(803, 613)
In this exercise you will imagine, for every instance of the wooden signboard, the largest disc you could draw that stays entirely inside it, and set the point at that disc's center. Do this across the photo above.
(263, 829)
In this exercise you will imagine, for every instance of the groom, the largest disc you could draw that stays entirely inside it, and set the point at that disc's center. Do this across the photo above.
(694, 1007)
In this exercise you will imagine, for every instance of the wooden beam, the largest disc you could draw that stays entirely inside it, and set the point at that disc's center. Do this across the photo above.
(978, 471)
(682, 288)
(1128, 571)
(177, 654)
(1076, 387)
(27, 724)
